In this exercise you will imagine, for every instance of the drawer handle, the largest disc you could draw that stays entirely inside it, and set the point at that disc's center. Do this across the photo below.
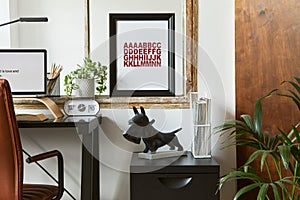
(175, 182)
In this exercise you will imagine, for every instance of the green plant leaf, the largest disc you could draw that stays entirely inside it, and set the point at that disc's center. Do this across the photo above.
(284, 189)
(270, 93)
(288, 92)
(275, 191)
(263, 192)
(274, 140)
(293, 98)
(255, 155)
(263, 160)
(236, 175)
(285, 152)
(258, 118)
(246, 189)
(294, 85)
(248, 120)
(284, 138)
(295, 132)
(297, 79)
(296, 153)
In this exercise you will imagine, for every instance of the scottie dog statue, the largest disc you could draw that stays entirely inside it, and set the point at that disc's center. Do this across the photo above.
(141, 129)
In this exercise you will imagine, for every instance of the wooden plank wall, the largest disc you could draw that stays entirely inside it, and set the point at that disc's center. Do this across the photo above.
(267, 52)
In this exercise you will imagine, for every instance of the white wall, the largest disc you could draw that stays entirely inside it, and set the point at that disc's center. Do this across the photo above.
(62, 35)
(4, 17)
(216, 77)
(216, 36)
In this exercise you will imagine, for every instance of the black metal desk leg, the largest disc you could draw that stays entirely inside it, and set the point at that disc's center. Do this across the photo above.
(90, 166)
(95, 165)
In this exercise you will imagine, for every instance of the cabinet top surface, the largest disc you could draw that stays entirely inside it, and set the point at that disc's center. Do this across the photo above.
(187, 162)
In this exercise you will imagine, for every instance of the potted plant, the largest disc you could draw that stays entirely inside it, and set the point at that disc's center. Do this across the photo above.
(82, 79)
(279, 149)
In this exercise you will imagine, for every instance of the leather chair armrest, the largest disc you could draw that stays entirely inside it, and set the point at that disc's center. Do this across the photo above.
(60, 161)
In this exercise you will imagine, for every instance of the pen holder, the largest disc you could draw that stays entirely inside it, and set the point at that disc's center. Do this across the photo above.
(53, 86)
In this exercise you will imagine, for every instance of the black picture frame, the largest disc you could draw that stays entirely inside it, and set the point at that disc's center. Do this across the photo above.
(166, 18)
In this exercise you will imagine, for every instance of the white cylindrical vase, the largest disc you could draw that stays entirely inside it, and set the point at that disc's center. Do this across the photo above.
(86, 88)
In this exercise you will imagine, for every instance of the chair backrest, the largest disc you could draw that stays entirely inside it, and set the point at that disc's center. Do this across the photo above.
(11, 159)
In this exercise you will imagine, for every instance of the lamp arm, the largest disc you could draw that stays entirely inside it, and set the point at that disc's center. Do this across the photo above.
(11, 22)
(33, 19)
(27, 19)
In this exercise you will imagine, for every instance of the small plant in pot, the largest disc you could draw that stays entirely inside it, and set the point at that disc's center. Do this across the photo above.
(82, 79)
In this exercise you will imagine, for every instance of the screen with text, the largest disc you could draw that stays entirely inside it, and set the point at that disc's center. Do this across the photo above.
(25, 69)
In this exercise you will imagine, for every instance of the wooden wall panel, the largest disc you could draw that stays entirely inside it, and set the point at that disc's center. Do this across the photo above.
(267, 52)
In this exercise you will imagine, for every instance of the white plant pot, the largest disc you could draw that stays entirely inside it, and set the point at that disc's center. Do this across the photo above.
(86, 88)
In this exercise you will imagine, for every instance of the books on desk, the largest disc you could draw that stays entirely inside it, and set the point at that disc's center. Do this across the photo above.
(31, 117)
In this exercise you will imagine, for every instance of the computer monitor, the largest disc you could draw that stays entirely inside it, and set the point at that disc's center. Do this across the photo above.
(25, 69)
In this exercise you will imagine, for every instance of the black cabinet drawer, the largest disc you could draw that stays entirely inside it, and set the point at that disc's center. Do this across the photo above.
(174, 178)
(174, 186)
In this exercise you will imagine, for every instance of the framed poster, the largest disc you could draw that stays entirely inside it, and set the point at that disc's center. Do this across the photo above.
(142, 58)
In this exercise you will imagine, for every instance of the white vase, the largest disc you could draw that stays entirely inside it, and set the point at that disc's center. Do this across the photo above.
(86, 88)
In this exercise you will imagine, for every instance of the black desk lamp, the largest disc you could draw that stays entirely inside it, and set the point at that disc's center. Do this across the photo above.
(27, 19)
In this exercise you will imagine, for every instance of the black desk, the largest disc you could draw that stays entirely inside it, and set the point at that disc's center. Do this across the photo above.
(88, 128)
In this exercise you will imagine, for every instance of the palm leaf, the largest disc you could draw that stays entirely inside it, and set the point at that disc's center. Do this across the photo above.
(288, 140)
(283, 188)
(288, 180)
(297, 98)
(285, 139)
(248, 142)
(258, 118)
(296, 132)
(228, 125)
(285, 153)
(275, 191)
(296, 153)
(256, 154)
(274, 141)
(291, 97)
(291, 94)
(295, 85)
(263, 160)
(270, 93)
(263, 192)
(245, 190)
(248, 121)
(237, 175)
(288, 92)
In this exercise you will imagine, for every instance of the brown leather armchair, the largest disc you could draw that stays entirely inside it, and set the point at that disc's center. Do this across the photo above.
(11, 158)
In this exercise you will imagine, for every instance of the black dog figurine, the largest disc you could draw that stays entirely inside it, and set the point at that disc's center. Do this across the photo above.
(141, 128)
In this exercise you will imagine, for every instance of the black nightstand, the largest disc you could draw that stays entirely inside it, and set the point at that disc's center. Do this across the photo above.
(174, 178)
